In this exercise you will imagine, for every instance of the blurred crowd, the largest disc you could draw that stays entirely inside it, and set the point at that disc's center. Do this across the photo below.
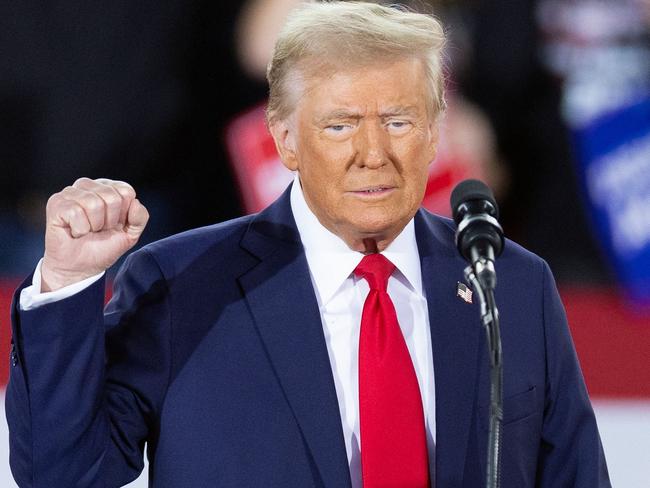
(144, 92)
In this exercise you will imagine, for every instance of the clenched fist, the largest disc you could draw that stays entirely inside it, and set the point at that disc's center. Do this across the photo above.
(89, 225)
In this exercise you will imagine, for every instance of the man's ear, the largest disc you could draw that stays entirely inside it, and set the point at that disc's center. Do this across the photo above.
(284, 137)
(434, 135)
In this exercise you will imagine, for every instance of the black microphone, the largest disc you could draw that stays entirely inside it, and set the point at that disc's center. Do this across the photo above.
(479, 239)
(479, 236)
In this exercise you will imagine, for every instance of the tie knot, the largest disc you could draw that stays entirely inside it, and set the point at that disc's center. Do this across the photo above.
(375, 269)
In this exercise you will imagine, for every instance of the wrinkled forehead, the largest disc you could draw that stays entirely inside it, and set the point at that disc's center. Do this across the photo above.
(309, 73)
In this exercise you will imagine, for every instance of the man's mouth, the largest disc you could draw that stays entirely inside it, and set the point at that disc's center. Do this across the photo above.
(374, 191)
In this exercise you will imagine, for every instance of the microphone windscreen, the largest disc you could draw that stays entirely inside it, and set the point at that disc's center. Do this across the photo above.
(470, 190)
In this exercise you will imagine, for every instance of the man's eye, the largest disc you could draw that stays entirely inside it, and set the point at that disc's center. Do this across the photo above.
(398, 124)
(338, 129)
(398, 127)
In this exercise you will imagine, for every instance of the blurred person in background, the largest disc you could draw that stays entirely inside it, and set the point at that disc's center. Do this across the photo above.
(500, 66)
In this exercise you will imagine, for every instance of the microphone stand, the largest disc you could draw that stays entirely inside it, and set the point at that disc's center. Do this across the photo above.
(482, 277)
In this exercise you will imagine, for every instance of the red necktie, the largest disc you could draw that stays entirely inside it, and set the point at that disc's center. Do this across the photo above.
(393, 440)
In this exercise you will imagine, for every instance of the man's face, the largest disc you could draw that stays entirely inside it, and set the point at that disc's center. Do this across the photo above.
(362, 140)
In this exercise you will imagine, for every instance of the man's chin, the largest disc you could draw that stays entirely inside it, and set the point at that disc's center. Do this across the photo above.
(373, 236)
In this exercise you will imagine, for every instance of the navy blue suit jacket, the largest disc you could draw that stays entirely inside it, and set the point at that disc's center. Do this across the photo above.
(212, 352)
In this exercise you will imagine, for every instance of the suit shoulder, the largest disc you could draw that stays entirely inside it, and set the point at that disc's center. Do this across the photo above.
(202, 236)
(212, 242)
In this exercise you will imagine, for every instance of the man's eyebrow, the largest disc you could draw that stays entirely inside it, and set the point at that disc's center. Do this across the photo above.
(337, 114)
(399, 110)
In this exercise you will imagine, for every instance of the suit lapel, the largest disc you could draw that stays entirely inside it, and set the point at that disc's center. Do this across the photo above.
(281, 298)
(455, 337)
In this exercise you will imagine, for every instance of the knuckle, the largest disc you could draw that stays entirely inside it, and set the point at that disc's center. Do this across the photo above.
(53, 201)
(112, 199)
(125, 190)
(114, 207)
(81, 181)
(92, 203)
(74, 211)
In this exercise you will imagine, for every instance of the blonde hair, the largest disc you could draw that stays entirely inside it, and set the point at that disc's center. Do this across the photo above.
(331, 34)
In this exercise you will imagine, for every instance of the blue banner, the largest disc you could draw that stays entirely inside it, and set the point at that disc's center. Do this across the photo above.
(614, 158)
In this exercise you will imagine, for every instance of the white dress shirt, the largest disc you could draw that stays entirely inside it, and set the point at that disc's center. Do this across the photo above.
(341, 296)
(31, 296)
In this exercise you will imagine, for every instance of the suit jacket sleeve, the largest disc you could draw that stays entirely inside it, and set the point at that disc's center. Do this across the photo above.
(571, 453)
(86, 386)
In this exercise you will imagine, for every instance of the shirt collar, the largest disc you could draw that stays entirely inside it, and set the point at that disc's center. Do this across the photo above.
(331, 261)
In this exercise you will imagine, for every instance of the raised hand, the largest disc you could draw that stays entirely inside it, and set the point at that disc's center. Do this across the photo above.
(89, 225)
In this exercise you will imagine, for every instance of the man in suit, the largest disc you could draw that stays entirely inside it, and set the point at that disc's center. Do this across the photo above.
(319, 343)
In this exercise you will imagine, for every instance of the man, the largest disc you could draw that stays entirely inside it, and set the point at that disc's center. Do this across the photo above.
(265, 351)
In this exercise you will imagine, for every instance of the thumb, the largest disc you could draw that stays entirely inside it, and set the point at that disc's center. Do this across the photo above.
(136, 219)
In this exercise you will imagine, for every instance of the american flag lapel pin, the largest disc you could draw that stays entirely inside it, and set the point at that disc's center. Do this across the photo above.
(463, 292)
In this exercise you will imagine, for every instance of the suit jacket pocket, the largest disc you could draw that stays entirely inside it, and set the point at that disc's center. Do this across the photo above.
(515, 408)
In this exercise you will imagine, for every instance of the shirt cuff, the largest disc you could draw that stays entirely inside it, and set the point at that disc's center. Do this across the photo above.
(31, 296)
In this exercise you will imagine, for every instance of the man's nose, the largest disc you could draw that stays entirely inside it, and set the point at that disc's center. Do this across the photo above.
(372, 145)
